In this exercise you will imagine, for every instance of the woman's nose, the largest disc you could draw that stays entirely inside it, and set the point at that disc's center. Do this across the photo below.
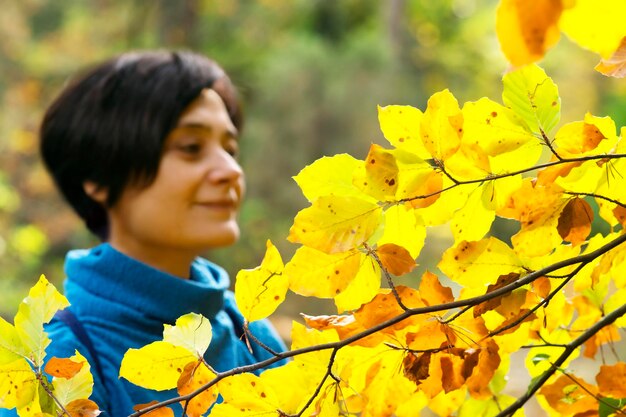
(224, 168)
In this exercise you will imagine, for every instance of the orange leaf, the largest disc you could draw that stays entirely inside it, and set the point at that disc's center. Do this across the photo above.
(194, 376)
(569, 395)
(615, 66)
(428, 184)
(575, 221)
(83, 408)
(384, 307)
(503, 280)
(612, 380)
(620, 214)
(451, 372)
(488, 362)
(159, 412)
(395, 259)
(345, 326)
(432, 292)
(62, 367)
(542, 287)
(527, 29)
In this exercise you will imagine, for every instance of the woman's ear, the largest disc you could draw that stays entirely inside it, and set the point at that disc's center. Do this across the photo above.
(96, 192)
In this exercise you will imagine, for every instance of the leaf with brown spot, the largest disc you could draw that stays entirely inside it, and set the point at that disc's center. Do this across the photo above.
(503, 280)
(575, 221)
(159, 412)
(451, 372)
(62, 367)
(194, 376)
(396, 259)
(381, 174)
(83, 408)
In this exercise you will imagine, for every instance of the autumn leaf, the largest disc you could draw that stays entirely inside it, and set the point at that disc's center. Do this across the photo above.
(336, 224)
(615, 65)
(246, 395)
(432, 292)
(380, 179)
(362, 288)
(612, 380)
(404, 227)
(395, 259)
(570, 395)
(401, 127)
(156, 366)
(192, 331)
(442, 125)
(328, 176)
(78, 386)
(62, 367)
(194, 376)
(83, 408)
(159, 412)
(503, 280)
(592, 135)
(575, 221)
(260, 291)
(38, 308)
(527, 29)
(331, 273)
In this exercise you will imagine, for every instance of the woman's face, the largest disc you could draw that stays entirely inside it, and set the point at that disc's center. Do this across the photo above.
(192, 204)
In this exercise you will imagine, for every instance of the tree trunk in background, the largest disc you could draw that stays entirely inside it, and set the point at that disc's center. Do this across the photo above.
(394, 12)
(178, 21)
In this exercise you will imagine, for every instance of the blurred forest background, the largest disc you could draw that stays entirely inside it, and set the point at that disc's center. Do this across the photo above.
(310, 72)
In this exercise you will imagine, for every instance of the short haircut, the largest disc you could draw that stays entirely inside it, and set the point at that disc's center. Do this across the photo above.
(108, 126)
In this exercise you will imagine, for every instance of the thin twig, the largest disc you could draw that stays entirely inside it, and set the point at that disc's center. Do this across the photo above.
(373, 254)
(567, 352)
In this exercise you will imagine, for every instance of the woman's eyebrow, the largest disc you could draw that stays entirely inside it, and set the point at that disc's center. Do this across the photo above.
(231, 133)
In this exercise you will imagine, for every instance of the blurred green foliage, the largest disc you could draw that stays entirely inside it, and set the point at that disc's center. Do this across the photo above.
(310, 72)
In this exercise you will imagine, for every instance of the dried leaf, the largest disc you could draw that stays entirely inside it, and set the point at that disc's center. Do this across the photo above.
(503, 280)
(83, 408)
(575, 221)
(615, 66)
(159, 412)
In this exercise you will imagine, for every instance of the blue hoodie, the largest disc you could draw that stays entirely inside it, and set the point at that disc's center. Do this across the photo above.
(123, 303)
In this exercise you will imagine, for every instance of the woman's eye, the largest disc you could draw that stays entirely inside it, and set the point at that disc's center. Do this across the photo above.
(190, 148)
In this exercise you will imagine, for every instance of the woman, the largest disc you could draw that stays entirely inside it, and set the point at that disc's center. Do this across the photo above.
(144, 148)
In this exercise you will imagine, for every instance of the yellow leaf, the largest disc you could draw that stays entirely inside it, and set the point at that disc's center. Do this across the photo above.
(192, 332)
(401, 127)
(477, 264)
(79, 386)
(336, 224)
(11, 347)
(493, 128)
(614, 66)
(442, 210)
(246, 395)
(442, 125)
(404, 227)
(363, 287)
(194, 376)
(38, 308)
(330, 273)
(156, 366)
(594, 135)
(527, 29)
(83, 408)
(474, 219)
(261, 290)
(597, 26)
(470, 162)
(330, 176)
(18, 384)
(380, 179)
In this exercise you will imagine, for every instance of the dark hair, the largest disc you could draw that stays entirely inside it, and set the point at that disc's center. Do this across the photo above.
(109, 125)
